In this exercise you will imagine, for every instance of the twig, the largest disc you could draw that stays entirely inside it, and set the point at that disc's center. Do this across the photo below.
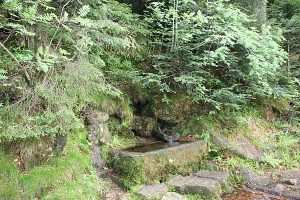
(27, 76)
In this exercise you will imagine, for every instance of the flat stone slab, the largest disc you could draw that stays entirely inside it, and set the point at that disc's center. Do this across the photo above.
(155, 191)
(221, 177)
(196, 185)
(173, 196)
(239, 144)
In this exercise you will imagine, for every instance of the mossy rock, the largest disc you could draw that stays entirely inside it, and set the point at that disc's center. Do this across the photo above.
(177, 108)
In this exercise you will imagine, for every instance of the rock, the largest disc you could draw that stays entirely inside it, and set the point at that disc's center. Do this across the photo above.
(31, 152)
(244, 147)
(221, 177)
(295, 195)
(155, 191)
(167, 135)
(98, 161)
(178, 109)
(255, 181)
(220, 141)
(239, 144)
(278, 190)
(98, 132)
(61, 142)
(290, 174)
(143, 126)
(173, 196)
(96, 117)
(196, 185)
(211, 165)
(290, 181)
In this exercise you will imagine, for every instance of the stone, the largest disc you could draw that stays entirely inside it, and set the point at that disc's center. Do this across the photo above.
(98, 161)
(290, 181)
(159, 162)
(290, 174)
(239, 144)
(154, 191)
(295, 195)
(60, 143)
(244, 147)
(278, 190)
(96, 117)
(196, 185)
(255, 181)
(173, 196)
(178, 110)
(220, 141)
(143, 126)
(98, 133)
(221, 177)
(167, 135)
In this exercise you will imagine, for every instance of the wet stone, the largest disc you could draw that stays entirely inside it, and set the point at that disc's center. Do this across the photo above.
(221, 177)
(173, 196)
(154, 191)
(196, 185)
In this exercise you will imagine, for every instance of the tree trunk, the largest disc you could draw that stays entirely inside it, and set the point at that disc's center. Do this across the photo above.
(258, 8)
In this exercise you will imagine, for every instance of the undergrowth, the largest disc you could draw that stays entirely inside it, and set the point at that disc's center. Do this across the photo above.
(69, 176)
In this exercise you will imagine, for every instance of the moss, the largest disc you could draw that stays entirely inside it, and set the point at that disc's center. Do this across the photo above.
(199, 197)
(69, 176)
(9, 178)
(132, 171)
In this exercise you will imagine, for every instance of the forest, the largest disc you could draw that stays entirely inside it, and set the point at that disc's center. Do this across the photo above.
(150, 99)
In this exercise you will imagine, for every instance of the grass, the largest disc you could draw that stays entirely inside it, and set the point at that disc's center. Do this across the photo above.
(69, 176)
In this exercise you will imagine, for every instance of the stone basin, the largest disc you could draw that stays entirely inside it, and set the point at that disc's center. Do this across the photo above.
(157, 160)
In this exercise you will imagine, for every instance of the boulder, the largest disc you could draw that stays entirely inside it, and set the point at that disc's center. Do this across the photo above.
(155, 191)
(173, 196)
(143, 126)
(98, 133)
(196, 185)
(221, 177)
(96, 117)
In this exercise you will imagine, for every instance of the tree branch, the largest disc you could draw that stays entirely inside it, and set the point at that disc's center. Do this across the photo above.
(27, 76)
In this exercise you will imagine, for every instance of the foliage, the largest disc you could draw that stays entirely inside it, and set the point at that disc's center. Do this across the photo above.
(210, 52)
(59, 50)
(286, 14)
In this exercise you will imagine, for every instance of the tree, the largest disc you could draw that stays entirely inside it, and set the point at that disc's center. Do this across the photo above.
(215, 56)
